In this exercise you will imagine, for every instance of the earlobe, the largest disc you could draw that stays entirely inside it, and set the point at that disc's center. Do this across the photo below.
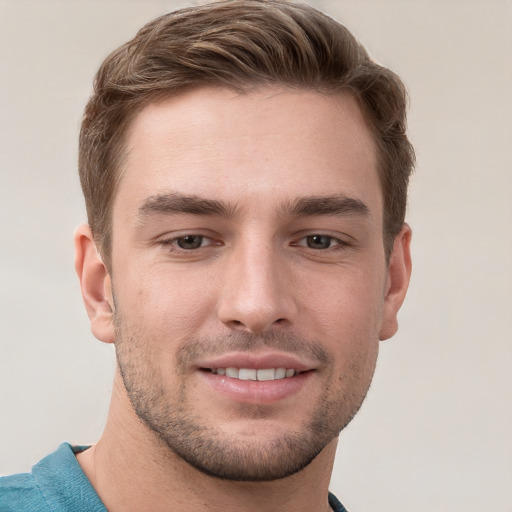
(399, 273)
(95, 284)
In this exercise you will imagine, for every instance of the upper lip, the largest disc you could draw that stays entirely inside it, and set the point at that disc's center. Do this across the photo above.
(257, 361)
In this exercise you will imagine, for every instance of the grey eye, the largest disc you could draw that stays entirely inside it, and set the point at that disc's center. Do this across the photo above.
(190, 242)
(319, 241)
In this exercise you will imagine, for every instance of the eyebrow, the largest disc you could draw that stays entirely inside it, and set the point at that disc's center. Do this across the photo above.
(338, 204)
(176, 203)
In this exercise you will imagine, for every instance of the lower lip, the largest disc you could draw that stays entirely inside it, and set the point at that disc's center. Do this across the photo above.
(254, 391)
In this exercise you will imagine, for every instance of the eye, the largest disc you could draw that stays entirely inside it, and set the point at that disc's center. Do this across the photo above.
(320, 242)
(188, 245)
(190, 242)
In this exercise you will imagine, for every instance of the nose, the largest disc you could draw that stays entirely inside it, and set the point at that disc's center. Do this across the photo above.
(257, 293)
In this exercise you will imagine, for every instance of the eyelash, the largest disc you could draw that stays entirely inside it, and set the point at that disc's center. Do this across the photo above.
(172, 244)
(338, 243)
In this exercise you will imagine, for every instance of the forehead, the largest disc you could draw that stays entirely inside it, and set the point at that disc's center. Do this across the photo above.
(272, 143)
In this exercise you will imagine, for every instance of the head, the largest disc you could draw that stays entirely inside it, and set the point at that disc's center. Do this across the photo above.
(245, 168)
(240, 45)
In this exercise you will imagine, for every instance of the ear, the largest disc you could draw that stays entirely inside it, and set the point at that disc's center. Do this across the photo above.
(397, 282)
(96, 285)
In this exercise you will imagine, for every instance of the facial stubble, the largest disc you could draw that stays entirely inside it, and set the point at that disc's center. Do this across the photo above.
(169, 413)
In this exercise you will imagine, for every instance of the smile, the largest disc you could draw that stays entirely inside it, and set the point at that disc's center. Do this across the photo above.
(263, 374)
(256, 377)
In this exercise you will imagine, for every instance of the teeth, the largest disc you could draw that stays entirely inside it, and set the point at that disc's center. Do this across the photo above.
(269, 374)
(280, 373)
(232, 372)
(252, 374)
(246, 374)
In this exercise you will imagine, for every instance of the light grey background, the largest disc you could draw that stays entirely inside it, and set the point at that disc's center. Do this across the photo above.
(436, 430)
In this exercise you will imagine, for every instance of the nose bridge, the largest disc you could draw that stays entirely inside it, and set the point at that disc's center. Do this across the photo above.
(255, 295)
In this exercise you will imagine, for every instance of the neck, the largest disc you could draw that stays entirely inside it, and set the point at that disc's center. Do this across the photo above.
(132, 470)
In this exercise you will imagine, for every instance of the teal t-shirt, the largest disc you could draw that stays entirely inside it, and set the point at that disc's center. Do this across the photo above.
(55, 484)
(58, 484)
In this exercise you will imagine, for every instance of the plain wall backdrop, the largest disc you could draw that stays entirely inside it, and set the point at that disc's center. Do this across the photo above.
(435, 432)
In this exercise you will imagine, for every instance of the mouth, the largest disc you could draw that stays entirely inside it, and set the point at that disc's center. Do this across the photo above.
(255, 378)
(262, 374)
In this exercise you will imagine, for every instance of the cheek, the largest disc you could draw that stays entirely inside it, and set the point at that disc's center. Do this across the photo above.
(350, 304)
(164, 303)
(347, 321)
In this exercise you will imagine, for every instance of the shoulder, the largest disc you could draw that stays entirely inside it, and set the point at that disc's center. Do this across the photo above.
(56, 483)
(19, 493)
(335, 504)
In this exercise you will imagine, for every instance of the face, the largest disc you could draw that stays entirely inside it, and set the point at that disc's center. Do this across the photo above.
(249, 281)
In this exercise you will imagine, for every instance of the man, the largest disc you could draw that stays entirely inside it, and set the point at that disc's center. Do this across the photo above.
(245, 168)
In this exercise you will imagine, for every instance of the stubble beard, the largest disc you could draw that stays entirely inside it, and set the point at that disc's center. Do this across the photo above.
(251, 458)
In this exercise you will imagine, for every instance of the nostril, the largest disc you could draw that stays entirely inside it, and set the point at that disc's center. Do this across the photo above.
(254, 328)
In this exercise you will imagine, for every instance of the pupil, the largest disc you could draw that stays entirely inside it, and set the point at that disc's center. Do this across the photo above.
(190, 242)
(319, 242)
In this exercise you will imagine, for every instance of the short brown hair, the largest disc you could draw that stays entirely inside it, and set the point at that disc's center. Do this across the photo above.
(239, 44)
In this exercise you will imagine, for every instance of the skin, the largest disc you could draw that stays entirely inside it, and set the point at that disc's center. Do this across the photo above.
(267, 271)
